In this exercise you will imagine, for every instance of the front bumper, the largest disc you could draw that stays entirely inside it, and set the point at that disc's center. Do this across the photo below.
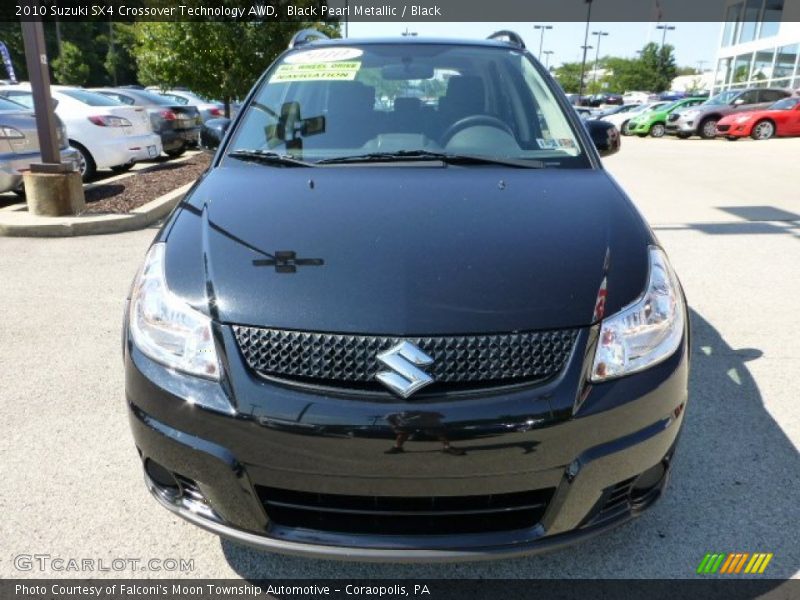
(583, 444)
(12, 166)
(682, 126)
(734, 129)
(637, 128)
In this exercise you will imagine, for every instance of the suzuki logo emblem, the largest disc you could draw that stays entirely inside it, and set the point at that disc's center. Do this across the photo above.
(405, 376)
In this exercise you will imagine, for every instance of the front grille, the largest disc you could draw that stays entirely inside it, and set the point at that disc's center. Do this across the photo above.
(351, 360)
(723, 128)
(388, 515)
(674, 116)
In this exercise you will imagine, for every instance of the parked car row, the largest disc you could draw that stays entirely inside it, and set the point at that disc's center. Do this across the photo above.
(760, 113)
(702, 120)
(177, 125)
(107, 128)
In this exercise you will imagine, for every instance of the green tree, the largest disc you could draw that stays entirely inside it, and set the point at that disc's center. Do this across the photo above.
(70, 68)
(659, 66)
(214, 59)
(568, 76)
(119, 63)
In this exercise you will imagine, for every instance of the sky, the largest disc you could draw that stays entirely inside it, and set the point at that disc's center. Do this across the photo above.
(693, 41)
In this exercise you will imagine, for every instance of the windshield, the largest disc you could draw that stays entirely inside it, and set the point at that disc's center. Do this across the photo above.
(723, 98)
(152, 98)
(91, 98)
(338, 101)
(6, 104)
(786, 104)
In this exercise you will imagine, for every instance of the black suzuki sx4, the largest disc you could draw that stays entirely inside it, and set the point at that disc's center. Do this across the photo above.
(406, 314)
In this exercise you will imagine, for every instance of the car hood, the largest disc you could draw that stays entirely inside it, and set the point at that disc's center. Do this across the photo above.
(406, 250)
(751, 114)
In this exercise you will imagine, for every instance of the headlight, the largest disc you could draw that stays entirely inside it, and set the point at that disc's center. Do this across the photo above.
(167, 329)
(646, 332)
(9, 133)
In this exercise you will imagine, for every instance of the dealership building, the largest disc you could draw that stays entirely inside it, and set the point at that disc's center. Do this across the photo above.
(759, 45)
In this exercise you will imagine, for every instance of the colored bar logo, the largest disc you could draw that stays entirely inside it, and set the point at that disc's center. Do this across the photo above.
(734, 563)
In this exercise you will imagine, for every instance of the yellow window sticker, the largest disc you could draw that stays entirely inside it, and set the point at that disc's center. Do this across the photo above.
(332, 71)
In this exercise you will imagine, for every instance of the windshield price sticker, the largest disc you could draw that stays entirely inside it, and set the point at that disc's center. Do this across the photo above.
(340, 71)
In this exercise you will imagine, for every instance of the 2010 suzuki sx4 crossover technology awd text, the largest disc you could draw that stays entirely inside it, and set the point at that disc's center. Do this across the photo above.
(406, 315)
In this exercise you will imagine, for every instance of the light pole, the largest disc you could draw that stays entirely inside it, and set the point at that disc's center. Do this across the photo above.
(665, 28)
(700, 64)
(541, 37)
(547, 54)
(585, 45)
(599, 35)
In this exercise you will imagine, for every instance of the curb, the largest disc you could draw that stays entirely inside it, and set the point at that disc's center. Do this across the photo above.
(15, 221)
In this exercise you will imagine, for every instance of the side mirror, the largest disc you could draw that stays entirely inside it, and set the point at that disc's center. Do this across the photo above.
(738, 102)
(212, 133)
(605, 136)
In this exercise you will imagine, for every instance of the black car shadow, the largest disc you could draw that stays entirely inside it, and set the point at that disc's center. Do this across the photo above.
(735, 488)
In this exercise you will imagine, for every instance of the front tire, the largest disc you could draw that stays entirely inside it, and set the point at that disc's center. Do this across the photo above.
(87, 166)
(708, 129)
(763, 130)
(625, 130)
(658, 130)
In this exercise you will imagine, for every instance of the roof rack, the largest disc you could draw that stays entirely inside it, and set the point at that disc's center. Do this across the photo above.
(510, 37)
(306, 36)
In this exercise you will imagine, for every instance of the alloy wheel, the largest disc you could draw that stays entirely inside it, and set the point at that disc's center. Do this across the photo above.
(763, 130)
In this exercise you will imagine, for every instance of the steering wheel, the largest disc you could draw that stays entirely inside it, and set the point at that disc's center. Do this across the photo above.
(474, 121)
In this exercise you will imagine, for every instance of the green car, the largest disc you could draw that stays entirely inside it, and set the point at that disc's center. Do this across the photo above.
(653, 122)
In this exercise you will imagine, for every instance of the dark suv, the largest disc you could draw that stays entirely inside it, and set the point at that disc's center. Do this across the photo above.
(702, 119)
(406, 315)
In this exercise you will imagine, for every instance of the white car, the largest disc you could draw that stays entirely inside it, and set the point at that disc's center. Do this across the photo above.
(635, 97)
(106, 133)
(621, 119)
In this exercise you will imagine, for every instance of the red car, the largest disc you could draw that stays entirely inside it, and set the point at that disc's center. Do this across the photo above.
(779, 119)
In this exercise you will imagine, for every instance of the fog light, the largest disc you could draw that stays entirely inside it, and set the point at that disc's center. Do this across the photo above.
(648, 481)
(163, 478)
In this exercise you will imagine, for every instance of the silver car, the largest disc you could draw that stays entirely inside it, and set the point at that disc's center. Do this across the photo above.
(19, 145)
(209, 109)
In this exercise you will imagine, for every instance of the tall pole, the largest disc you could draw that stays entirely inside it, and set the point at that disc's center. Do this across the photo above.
(112, 51)
(585, 46)
(665, 28)
(547, 54)
(543, 28)
(36, 59)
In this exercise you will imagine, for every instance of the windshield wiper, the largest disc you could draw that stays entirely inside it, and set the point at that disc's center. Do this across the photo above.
(426, 155)
(269, 158)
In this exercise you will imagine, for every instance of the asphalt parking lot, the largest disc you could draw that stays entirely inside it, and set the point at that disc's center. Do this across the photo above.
(728, 215)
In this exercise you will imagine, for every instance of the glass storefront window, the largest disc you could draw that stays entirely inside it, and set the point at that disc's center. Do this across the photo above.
(723, 68)
(762, 67)
(785, 61)
(741, 68)
(771, 19)
(733, 17)
(752, 11)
